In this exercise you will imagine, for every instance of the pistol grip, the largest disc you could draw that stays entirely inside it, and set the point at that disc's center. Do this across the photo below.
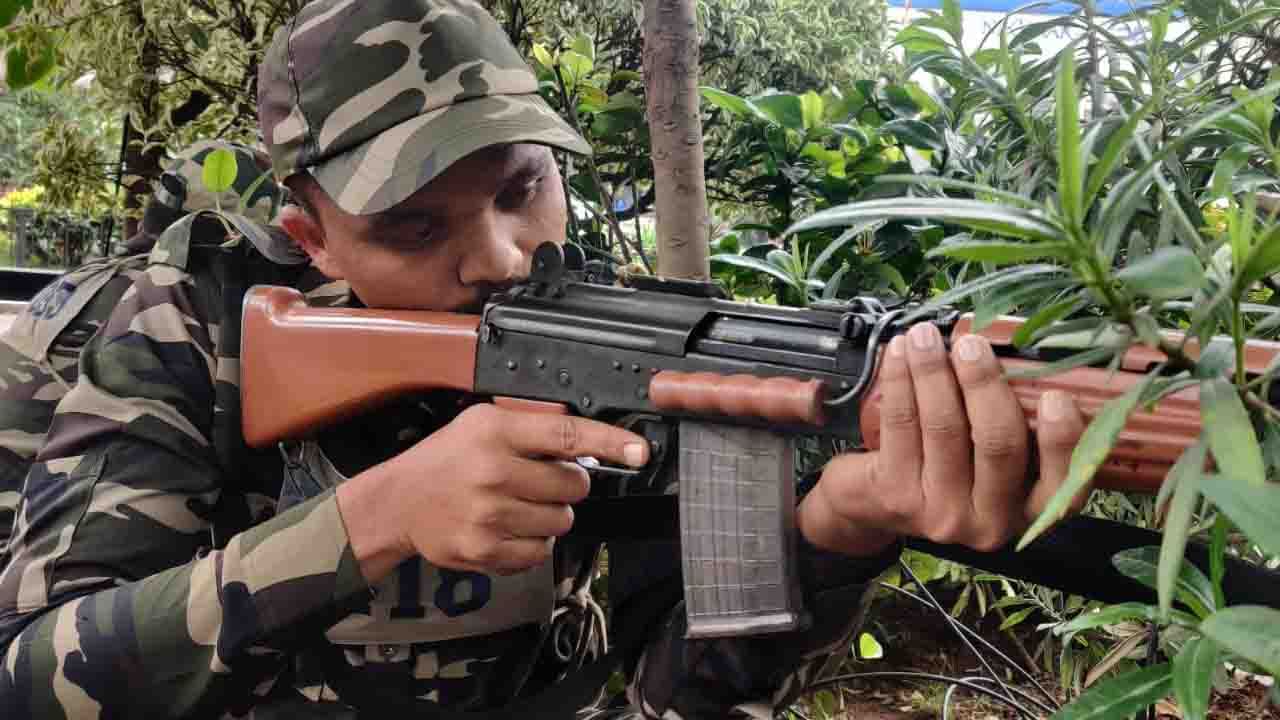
(737, 531)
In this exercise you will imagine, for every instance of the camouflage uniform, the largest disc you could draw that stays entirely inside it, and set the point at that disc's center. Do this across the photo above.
(121, 597)
(40, 349)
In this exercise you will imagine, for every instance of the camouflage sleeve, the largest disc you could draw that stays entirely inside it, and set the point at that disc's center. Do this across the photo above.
(674, 677)
(110, 598)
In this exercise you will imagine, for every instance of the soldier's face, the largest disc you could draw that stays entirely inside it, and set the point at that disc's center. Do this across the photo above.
(468, 232)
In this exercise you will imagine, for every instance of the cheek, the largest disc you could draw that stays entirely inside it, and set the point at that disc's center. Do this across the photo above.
(389, 279)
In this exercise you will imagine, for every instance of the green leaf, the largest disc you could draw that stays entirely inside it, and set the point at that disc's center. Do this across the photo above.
(1193, 589)
(844, 239)
(199, 36)
(1002, 253)
(1070, 174)
(954, 17)
(975, 214)
(584, 47)
(1177, 527)
(811, 110)
(543, 56)
(574, 68)
(869, 648)
(1169, 272)
(1263, 258)
(1231, 438)
(1002, 301)
(915, 133)
(1120, 697)
(9, 10)
(1248, 631)
(1094, 446)
(782, 109)
(1224, 171)
(1016, 618)
(219, 171)
(28, 64)
(1109, 615)
(1193, 670)
(1114, 152)
(891, 275)
(751, 263)
(1254, 507)
(730, 103)
(1044, 318)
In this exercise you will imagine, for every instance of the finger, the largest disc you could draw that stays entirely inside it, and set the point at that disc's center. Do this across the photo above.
(519, 554)
(947, 474)
(1058, 429)
(998, 434)
(567, 437)
(547, 481)
(894, 485)
(521, 519)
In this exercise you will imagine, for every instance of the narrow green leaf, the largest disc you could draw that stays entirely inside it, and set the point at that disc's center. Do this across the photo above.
(915, 133)
(1193, 589)
(1254, 507)
(1193, 670)
(811, 109)
(845, 237)
(1263, 259)
(988, 217)
(219, 171)
(1020, 273)
(1231, 438)
(1004, 300)
(1248, 631)
(1070, 173)
(978, 189)
(1093, 356)
(1094, 446)
(1177, 526)
(757, 264)
(9, 10)
(1169, 272)
(583, 46)
(1114, 152)
(1016, 618)
(1109, 615)
(1120, 697)
(1043, 318)
(1003, 253)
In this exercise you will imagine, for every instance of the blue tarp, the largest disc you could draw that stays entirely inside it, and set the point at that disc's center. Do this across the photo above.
(1102, 7)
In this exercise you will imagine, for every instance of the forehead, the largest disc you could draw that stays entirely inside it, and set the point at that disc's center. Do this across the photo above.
(485, 171)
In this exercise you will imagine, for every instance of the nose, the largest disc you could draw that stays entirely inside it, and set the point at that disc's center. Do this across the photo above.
(494, 256)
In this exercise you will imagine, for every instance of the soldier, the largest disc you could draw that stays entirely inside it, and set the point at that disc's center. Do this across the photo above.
(415, 563)
(39, 351)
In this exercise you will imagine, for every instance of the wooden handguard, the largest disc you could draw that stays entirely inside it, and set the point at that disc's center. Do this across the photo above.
(1150, 442)
(776, 399)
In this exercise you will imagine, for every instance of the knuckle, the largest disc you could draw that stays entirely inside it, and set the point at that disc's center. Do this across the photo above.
(898, 416)
(948, 531)
(946, 424)
(999, 441)
(567, 435)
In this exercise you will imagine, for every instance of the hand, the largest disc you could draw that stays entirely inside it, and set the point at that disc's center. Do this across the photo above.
(953, 460)
(486, 493)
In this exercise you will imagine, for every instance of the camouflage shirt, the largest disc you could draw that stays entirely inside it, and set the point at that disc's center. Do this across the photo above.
(118, 600)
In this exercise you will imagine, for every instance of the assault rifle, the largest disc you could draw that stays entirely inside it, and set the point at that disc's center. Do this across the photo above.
(722, 390)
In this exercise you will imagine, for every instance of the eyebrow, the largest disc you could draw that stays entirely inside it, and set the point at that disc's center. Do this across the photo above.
(523, 170)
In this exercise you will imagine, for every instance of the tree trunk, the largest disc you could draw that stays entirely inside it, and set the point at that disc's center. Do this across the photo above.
(675, 131)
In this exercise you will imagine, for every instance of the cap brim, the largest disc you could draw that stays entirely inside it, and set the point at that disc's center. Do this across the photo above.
(387, 169)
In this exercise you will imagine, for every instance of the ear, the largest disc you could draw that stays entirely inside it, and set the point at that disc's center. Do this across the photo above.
(307, 233)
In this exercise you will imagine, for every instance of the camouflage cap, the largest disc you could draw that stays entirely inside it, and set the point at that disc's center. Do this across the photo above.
(376, 97)
(264, 197)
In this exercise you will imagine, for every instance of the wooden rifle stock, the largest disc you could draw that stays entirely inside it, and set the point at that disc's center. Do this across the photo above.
(1150, 442)
(306, 367)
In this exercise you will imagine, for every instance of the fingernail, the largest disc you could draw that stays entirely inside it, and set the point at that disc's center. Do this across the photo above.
(1055, 405)
(898, 346)
(970, 348)
(925, 336)
(633, 454)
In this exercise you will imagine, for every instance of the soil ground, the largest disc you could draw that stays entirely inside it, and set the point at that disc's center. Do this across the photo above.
(919, 640)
